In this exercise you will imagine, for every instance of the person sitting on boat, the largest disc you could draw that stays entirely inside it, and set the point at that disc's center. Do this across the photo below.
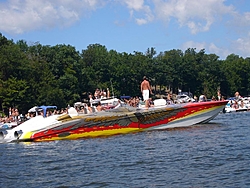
(99, 107)
(16, 114)
(230, 103)
(97, 94)
(133, 102)
(169, 99)
(218, 95)
(213, 98)
(89, 109)
(150, 102)
(137, 101)
(40, 113)
(235, 105)
(85, 108)
(91, 98)
(81, 109)
(242, 105)
(103, 94)
(237, 95)
(195, 99)
(202, 98)
(27, 115)
(108, 93)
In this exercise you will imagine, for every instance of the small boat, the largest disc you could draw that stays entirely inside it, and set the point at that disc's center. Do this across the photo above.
(240, 105)
(121, 120)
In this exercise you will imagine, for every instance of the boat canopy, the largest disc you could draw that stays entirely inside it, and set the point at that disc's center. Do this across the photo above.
(44, 108)
(125, 97)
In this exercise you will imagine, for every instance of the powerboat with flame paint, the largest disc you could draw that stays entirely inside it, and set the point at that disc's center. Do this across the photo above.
(121, 120)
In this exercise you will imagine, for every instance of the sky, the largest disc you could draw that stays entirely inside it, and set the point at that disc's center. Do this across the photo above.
(221, 27)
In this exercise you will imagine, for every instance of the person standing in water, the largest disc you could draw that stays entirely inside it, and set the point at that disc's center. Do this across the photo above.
(145, 90)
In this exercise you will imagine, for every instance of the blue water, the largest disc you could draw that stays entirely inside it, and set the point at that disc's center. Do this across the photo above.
(212, 155)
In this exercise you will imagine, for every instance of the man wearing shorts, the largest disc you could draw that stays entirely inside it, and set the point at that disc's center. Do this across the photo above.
(145, 89)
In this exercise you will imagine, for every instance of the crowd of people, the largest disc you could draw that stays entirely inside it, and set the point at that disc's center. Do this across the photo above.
(88, 108)
(13, 116)
(100, 94)
(94, 104)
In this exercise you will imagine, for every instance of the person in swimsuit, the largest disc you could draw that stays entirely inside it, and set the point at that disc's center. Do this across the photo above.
(145, 90)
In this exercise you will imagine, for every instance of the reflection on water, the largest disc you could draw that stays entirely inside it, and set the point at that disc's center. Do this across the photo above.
(213, 155)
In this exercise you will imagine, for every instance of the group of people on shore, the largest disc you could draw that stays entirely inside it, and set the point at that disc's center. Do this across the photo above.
(13, 116)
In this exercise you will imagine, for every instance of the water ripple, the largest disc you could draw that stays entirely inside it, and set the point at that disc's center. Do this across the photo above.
(213, 155)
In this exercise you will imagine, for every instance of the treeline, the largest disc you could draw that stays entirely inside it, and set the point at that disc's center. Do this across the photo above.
(60, 75)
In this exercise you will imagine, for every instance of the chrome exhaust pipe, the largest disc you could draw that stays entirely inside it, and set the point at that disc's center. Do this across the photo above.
(3, 133)
(17, 134)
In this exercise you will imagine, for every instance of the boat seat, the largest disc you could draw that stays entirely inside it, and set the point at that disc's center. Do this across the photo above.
(72, 111)
(160, 102)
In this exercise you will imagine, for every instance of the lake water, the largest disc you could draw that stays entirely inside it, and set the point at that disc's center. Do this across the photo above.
(212, 155)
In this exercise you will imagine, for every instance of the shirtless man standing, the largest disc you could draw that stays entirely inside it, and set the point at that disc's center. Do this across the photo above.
(145, 89)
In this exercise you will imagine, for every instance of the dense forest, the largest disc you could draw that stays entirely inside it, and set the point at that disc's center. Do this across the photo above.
(60, 75)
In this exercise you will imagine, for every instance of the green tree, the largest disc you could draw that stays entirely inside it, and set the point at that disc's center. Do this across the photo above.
(14, 93)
